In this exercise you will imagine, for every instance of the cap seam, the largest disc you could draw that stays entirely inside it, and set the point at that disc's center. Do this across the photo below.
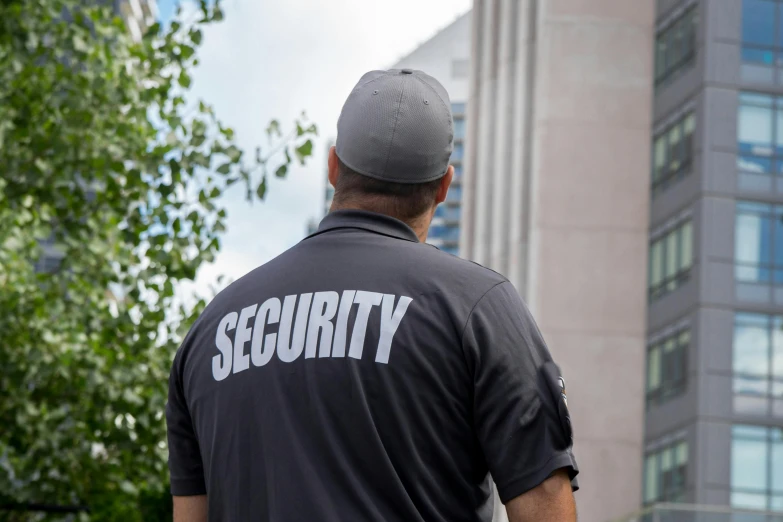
(442, 102)
(394, 129)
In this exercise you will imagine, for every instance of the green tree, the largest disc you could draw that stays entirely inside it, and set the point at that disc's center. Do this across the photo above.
(104, 154)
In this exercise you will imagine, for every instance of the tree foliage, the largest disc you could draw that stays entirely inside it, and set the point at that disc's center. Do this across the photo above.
(111, 166)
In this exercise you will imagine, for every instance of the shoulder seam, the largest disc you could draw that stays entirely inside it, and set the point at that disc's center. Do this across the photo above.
(467, 319)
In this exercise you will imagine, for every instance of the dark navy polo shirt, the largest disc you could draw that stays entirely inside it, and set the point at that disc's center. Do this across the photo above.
(363, 375)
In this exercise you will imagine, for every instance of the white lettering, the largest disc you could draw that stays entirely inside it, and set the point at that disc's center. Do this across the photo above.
(365, 300)
(390, 320)
(242, 335)
(221, 363)
(321, 315)
(341, 329)
(290, 351)
(268, 313)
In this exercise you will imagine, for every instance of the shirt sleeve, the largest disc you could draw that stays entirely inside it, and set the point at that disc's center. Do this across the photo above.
(520, 408)
(185, 466)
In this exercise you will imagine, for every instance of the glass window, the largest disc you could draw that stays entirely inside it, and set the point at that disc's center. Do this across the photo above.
(459, 128)
(754, 131)
(660, 59)
(650, 479)
(671, 257)
(666, 361)
(748, 464)
(758, 22)
(458, 152)
(752, 238)
(675, 45)
(756, 467)
(656, 264)
(454, 195)
(654, 369)
(686, 246)
(458, 171)
(659, 158)
(673, 151)
(458, 108)
(751, 344)
(665, 473)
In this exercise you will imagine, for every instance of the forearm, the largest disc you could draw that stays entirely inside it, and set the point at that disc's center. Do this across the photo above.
(190, 509)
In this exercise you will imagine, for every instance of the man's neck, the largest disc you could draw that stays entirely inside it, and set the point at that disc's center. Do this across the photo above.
(420, 225)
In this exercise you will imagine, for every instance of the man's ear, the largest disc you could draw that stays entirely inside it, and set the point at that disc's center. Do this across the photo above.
(334, 166)
(445, 182)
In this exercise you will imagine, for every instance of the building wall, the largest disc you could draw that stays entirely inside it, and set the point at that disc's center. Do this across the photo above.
(556, 197)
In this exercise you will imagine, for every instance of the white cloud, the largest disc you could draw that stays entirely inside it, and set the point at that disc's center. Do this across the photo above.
(274, 59)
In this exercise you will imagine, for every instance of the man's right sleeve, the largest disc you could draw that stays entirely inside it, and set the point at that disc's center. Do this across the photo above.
(519, 407)
(185, 466)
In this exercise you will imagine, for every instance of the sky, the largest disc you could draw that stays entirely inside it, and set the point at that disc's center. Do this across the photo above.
(274, 59)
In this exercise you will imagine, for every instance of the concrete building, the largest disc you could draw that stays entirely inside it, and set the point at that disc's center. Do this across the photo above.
(715, 350)
(446, 56)
(556, 196)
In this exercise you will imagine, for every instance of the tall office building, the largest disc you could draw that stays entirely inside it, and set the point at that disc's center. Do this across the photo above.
(715, 321)
(556, 196)
(446, 56)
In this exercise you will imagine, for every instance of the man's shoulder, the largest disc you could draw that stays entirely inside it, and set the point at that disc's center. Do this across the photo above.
(461, 267)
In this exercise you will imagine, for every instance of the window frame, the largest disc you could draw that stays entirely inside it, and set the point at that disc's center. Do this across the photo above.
(679, 34)
(771, 439)
(681, 151)
(678, 275)
(671, 383)
(677, 478)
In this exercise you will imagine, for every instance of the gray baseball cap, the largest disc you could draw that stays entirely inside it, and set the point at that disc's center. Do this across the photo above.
(396, 126)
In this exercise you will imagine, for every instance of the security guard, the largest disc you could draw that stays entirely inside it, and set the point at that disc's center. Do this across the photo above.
(366, 376)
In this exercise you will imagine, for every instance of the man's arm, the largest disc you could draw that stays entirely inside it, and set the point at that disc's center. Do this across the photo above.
(551, 501)
(520, 412)
(192, 509)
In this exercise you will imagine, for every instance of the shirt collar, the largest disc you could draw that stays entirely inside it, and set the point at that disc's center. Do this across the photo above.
(370, 221)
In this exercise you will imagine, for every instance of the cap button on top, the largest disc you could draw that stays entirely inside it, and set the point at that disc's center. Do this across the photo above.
(406, 71)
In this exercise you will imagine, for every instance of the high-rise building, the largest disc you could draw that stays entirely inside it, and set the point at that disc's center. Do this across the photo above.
(446, 56)
(715, 320)
(556, 197)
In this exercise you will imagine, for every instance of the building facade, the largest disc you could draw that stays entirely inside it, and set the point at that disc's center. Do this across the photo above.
(446, 56)
(715, 321)
(556, 197)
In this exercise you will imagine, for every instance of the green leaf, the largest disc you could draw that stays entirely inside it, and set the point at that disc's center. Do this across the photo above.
(217, 14)
(273, 129)
(225, 168)
(281, 171)
(234, 153)
(261, 190)
(195, 36)
(184, 80)
(304, 150)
